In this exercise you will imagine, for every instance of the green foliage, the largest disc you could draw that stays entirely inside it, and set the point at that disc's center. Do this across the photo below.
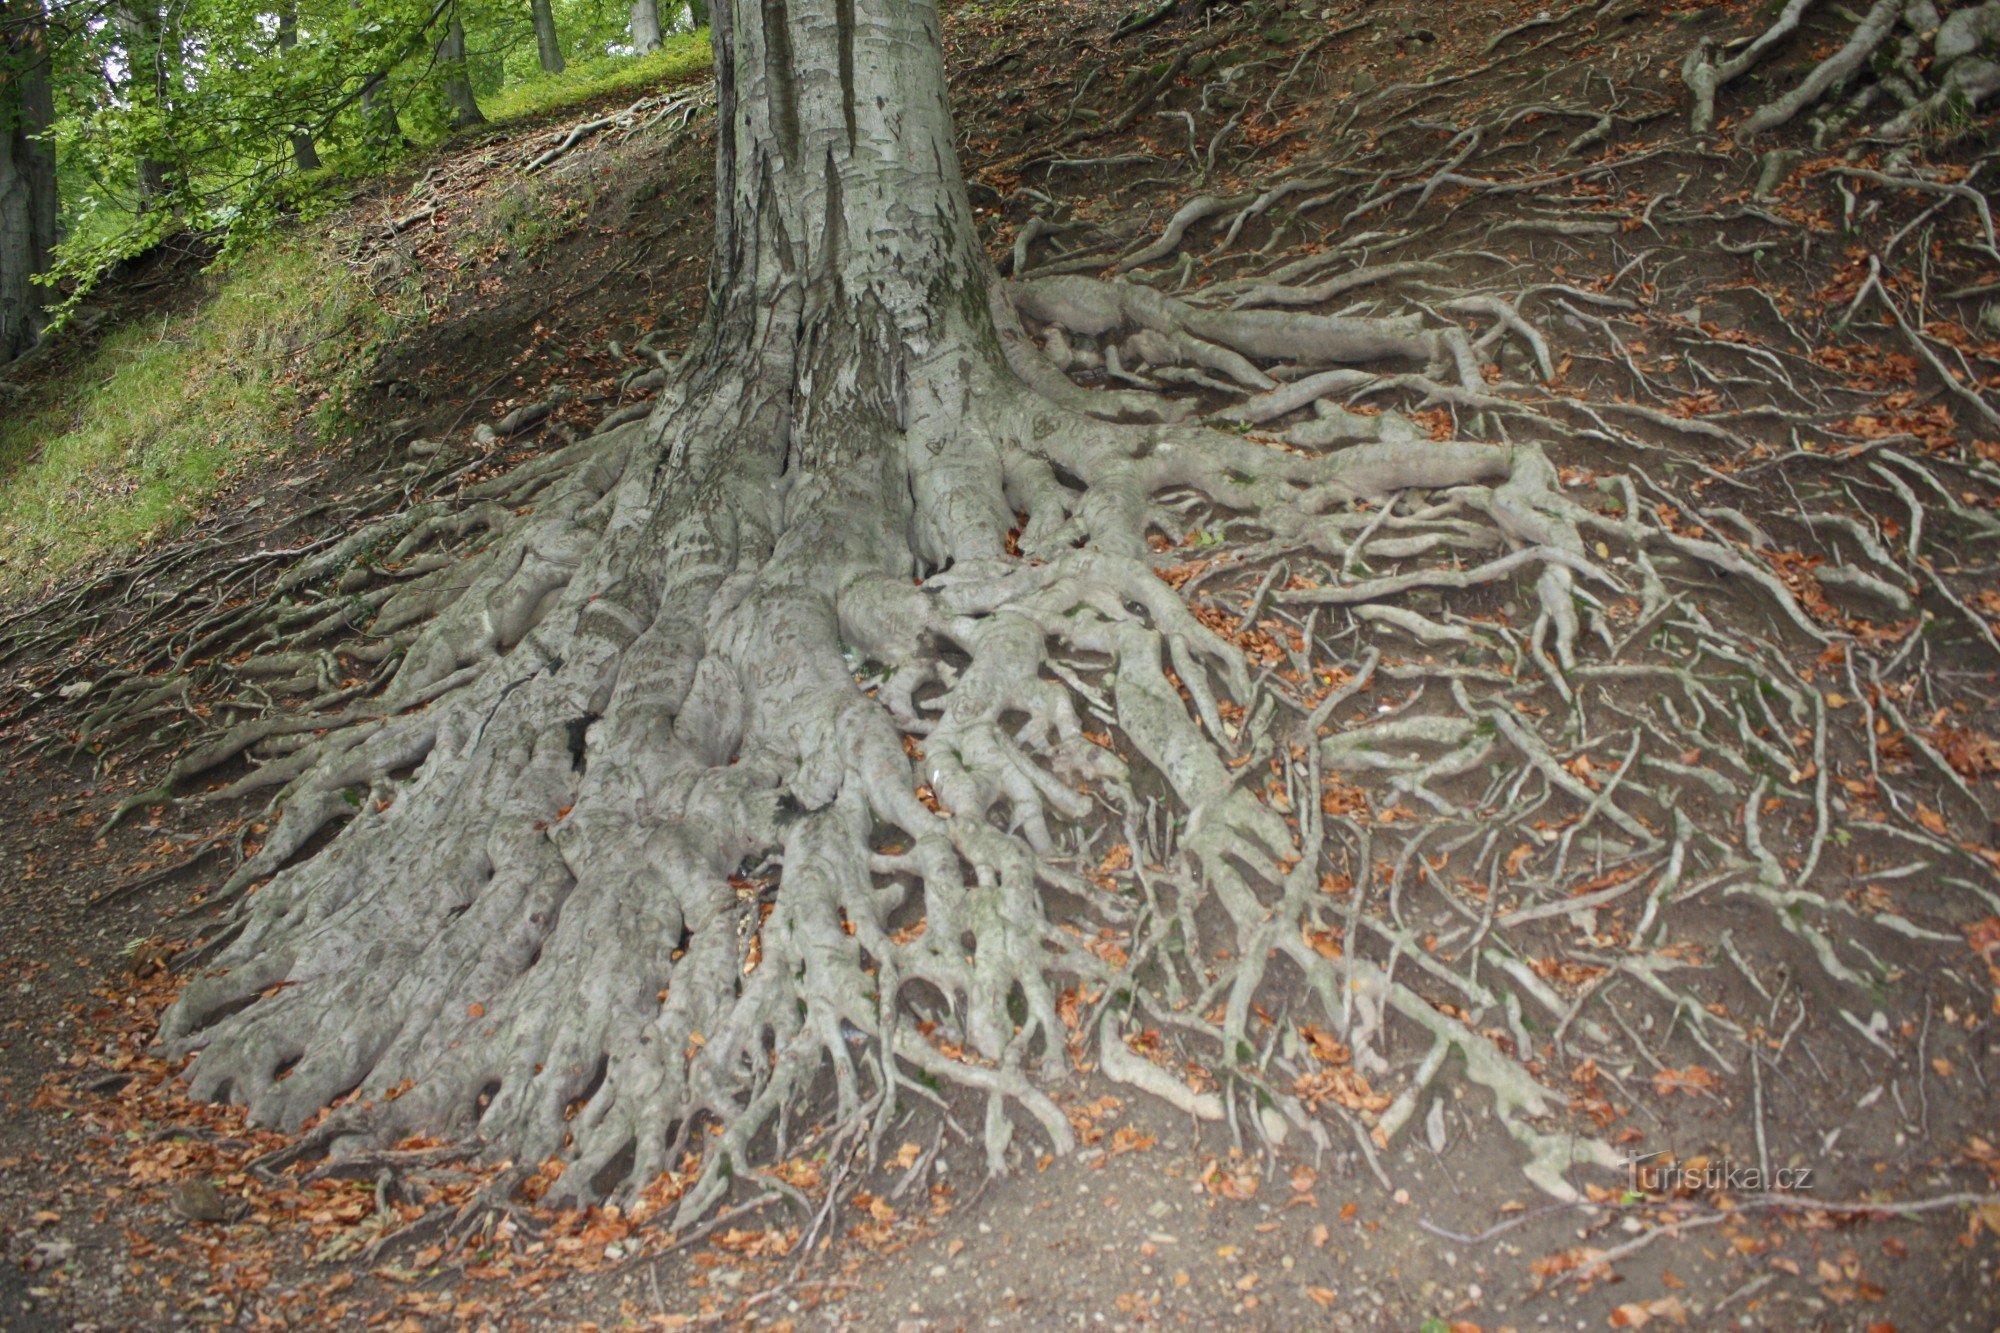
(187, 117)
(147, 430)
(683, 56)
(184, 116)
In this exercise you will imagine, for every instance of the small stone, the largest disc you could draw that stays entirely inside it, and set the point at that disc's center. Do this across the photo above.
(1275, 1128)
(198, 1201)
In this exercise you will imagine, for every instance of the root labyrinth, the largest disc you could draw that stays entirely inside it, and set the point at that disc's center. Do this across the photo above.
(1422, 611)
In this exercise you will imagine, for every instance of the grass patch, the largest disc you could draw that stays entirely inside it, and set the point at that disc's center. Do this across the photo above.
(683, 56)
(130, 444)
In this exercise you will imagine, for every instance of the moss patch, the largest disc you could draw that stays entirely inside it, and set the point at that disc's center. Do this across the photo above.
(130, 444)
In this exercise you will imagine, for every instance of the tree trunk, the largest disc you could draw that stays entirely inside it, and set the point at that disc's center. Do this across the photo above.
(304, 156)
(698, 13)
(377, 115)
(148, 84)
(545, 921)
(548, 48)
(28, 210)
(458, 96)
(645, 26)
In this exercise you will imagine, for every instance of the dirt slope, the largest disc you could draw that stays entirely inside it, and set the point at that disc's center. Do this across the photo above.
(125, 1207)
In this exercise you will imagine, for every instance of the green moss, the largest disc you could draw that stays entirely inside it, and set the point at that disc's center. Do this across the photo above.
(131, 443)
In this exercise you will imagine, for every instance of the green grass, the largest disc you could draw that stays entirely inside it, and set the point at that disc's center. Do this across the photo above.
(684, 56)
(164, 413)
(130, 444)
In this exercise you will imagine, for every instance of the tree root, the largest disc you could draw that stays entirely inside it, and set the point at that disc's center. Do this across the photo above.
(735, 789)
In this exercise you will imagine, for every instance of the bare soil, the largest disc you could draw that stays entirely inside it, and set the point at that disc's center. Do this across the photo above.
(123, 1206)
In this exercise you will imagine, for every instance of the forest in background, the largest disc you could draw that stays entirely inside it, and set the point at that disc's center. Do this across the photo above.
(126, 121)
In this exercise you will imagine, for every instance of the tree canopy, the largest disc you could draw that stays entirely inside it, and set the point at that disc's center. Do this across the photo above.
(216, 116)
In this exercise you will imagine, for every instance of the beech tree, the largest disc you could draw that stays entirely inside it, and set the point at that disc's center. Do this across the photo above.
(149, 48)
(744, 773)
(458, 96)
(28, 205)
(548, 45)
(304, 156)
(649, 689)
(645, 25)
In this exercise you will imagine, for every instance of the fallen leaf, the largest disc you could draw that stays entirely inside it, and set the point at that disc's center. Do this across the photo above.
(1692, 1080)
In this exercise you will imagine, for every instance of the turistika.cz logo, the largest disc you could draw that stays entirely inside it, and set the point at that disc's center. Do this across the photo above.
(1700, 1175)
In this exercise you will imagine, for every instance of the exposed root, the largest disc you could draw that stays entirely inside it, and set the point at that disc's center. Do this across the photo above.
(767, 766)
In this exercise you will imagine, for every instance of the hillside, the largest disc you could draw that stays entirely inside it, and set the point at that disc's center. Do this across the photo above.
(1634, 655)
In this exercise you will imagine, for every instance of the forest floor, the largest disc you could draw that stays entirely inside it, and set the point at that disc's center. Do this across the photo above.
(123, 1205)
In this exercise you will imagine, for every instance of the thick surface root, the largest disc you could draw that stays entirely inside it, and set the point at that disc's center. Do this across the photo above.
(712, 785)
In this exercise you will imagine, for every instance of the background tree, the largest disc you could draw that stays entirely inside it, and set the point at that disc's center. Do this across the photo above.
(457, 83)
(149, 61)
(548, 46)
(645, 25)
(303, 154)
(28, 204)
(202, 115)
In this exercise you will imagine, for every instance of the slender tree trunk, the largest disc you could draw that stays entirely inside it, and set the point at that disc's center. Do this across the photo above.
(698, 13)
(304, 156)
(457, 87)
(377, 115)
(645, 25)
(548, 48)
(148, 85)
(27, 175)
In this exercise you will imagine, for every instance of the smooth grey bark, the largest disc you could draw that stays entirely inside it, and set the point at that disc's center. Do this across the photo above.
(654, 671)
(28, 204)
(548, 47)
(376, 113)
(304, 156)
(625, 848)
(645, 25)
(149, 81)
(458, 96)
